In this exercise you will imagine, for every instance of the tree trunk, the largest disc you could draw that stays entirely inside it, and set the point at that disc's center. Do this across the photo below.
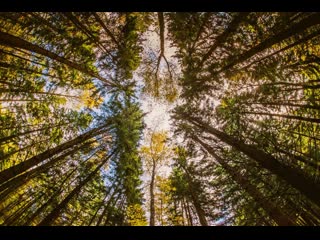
(305, 106)
(306, 119)
(274, 213)
(13, 171)
(106, 29)
(5, 139)
(222, 38)
(312, 20)
(199, 210)
(292, 176)
(15, 183)
(152, 207)
(53, 215)
(195, 201)
(102, 202)
(16, 42)
(302, 40)
(106, 207)
(49, 202)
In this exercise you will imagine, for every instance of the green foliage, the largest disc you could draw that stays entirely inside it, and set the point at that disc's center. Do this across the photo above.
(245, 84)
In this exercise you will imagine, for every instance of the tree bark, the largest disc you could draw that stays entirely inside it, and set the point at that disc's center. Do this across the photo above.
(13, 171)
(47, 203)
(222, 38)
(53, 215)
(273, 212)
(306, 119)
(292, 176)
(299, 27)
(152, 207)
(16, 42)
(195, 201)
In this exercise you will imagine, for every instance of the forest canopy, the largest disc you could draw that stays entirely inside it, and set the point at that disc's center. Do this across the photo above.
(241, 146)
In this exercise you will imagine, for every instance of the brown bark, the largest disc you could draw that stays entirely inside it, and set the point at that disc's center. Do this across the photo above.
(195, 201)
(292, 176)
(222, 38)
(152, 207)
(302, 40)
(107, 206)
(102, 202)
(299, 27)
(106, 29)
(280, 218)
(13, 41)
(308, 106)
(15, 170)
(49, 202)
(53, 215)
(306, 119)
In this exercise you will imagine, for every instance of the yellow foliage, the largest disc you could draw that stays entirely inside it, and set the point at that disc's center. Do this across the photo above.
(136, 216)
(89, 101)
(157, 151)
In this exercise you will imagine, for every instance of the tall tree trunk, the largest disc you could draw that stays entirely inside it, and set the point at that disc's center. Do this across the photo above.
(302, 40)
(222, 38)
(152, 207)
(299, 27)
(189, 213)
(17, 214)
(273, 212)
(107, 206)
(53, 215)
(98, 19)
(16, 42)
(49, 202)
(306, 106)
(5, 139)
(102, 202)
(195, 200)
(13, 171)
(306, 119)
(292, 176)
(15, 183)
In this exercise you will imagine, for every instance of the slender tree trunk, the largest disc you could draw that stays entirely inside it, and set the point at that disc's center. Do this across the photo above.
(189, 213)
(53, 215)
(299, 27)
(22, 58)
(305, 106)
(19, 91)
(199, 210)
(292, 176)
(49, 202)
(5, 139)
(274, 213)
(152, 207)
(14, 67)
(107, 206)
(207, 16)
(56, 192)
(102, 202)
(302, 40)
(306, 119)
(17, 214)
(93, 39)
(98, 19)
(299, 158)
(8, 155)
(13, 171)
(13, 41)
(195, 200)
(222, 38)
